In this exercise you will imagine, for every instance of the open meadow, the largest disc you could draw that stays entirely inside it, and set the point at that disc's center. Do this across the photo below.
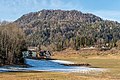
(110, 61)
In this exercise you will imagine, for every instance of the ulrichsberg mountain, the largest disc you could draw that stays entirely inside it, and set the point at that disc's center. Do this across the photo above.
(62, 29)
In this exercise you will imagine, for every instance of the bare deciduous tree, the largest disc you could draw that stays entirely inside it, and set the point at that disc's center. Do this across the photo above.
(12, 42)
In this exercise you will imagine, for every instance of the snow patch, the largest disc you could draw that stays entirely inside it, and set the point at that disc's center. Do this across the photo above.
(62, 62)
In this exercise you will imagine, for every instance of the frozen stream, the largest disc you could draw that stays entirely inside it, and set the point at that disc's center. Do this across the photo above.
(50, 65)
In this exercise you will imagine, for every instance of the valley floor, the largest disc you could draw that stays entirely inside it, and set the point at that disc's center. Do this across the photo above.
(104, 59)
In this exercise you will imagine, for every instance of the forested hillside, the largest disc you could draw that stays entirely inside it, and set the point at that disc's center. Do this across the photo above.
(60, 29)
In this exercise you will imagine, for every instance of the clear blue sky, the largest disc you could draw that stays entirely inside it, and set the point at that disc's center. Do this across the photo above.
(13, 9)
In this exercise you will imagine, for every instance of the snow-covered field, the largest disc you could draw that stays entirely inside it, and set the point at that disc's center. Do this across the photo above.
(51, 65)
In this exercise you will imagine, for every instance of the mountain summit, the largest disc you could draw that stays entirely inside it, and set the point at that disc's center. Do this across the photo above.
(59, 15)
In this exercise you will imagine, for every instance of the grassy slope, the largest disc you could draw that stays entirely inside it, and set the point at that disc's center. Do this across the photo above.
(111, 62)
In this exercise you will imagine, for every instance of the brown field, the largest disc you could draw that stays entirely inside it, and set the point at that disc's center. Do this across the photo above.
(48, 76)
(103, 59)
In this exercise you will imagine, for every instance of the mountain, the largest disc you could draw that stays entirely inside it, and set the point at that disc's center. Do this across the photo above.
(63, 28)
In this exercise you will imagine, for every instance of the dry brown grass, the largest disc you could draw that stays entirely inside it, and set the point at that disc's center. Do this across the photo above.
(103, 59)
(48, 76)
(92, 54)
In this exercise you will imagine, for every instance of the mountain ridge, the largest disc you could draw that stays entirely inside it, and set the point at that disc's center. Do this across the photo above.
(58, 15)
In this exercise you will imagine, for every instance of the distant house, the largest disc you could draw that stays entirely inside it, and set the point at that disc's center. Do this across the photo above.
(45, 54)
(33, 52)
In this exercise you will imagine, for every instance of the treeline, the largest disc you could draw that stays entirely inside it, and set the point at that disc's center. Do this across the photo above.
(12, 43)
